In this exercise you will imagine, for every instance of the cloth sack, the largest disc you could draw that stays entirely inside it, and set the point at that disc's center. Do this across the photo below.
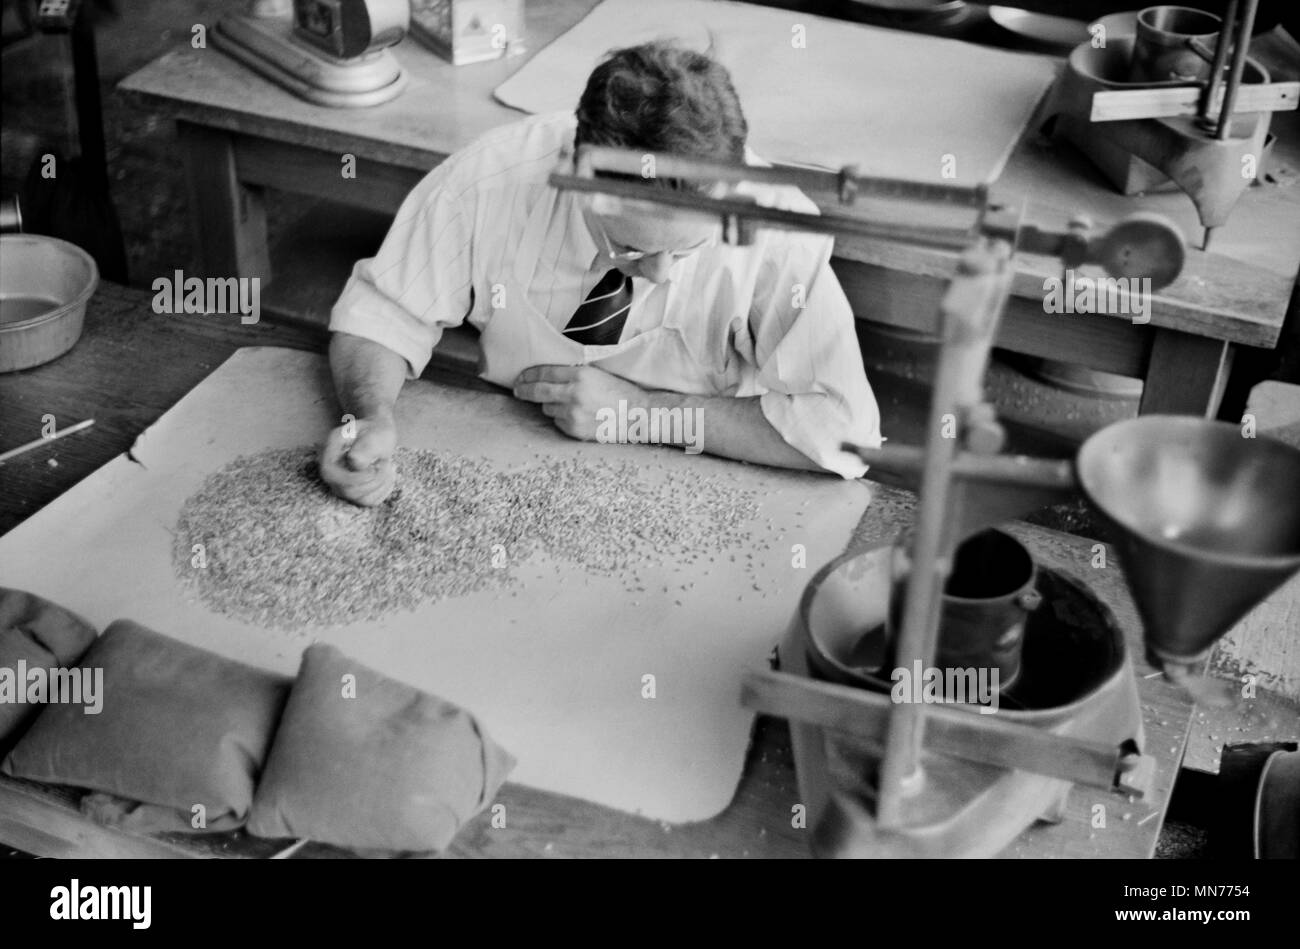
(35, 634)
(180, 728)
(368, 763)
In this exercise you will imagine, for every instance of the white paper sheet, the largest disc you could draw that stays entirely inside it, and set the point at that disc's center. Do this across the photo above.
(821, 92)
(555, 673)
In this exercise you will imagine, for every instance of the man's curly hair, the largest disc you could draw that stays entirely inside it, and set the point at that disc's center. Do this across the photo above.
(661, 97)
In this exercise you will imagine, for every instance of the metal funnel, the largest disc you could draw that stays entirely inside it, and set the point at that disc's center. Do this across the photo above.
(1208, 523)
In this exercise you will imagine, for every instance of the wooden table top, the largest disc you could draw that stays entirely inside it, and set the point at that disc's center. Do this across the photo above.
(1238, 293)
(132, 364)
(443, 109)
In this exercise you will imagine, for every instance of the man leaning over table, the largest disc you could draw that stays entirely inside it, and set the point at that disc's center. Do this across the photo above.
(581, 306)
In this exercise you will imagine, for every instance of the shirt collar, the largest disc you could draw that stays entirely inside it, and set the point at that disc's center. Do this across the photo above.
(588, 245)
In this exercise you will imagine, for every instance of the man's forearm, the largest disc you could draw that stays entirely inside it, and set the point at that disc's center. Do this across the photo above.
(368, 376)
(735, 428)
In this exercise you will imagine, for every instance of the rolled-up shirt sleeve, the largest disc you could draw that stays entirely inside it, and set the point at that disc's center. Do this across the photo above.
(420, 281)
(808, 357)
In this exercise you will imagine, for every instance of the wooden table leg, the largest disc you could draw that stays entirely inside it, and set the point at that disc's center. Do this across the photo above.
(229, 216)
(1186, 374)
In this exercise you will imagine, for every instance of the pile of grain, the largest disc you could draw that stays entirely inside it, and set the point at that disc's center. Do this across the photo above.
(278, 550)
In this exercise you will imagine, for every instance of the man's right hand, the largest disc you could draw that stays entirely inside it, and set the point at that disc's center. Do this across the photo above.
(363, 471)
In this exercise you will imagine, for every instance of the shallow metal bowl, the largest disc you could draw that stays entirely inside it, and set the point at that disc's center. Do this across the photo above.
(44, 286)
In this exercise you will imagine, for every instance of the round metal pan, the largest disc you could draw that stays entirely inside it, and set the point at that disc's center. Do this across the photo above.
(45, 284)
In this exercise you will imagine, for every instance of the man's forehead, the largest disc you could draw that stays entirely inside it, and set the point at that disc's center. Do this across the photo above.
(651, 227)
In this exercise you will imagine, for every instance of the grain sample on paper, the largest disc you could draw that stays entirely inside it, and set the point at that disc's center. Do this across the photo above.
(279, 550)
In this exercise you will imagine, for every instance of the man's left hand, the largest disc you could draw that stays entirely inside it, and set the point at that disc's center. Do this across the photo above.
(573, 395)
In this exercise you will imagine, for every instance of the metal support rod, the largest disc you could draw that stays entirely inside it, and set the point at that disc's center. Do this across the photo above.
(1220, 59)
(970, 311)
(847, 184)
(828, 222)
(918, 637)
(1239, 52)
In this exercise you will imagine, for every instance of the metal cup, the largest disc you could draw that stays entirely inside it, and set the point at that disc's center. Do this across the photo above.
(986, 602)
(1172, 44)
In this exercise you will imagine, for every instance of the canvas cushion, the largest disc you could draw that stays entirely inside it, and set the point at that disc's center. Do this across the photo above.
(180, 728)
(34, 634)
(373, 764)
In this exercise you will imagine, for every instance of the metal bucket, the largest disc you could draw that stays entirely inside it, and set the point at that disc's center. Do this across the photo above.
(987, 599)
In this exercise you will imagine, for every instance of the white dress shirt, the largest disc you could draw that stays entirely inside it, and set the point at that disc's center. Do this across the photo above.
(767, 320)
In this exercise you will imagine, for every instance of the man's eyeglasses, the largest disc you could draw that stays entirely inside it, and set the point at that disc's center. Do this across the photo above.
(629, 256)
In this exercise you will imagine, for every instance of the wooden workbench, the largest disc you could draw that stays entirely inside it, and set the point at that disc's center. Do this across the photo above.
(131, 365)
(241, 134)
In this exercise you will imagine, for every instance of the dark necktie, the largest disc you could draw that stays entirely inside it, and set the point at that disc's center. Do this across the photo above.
(599, 320)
